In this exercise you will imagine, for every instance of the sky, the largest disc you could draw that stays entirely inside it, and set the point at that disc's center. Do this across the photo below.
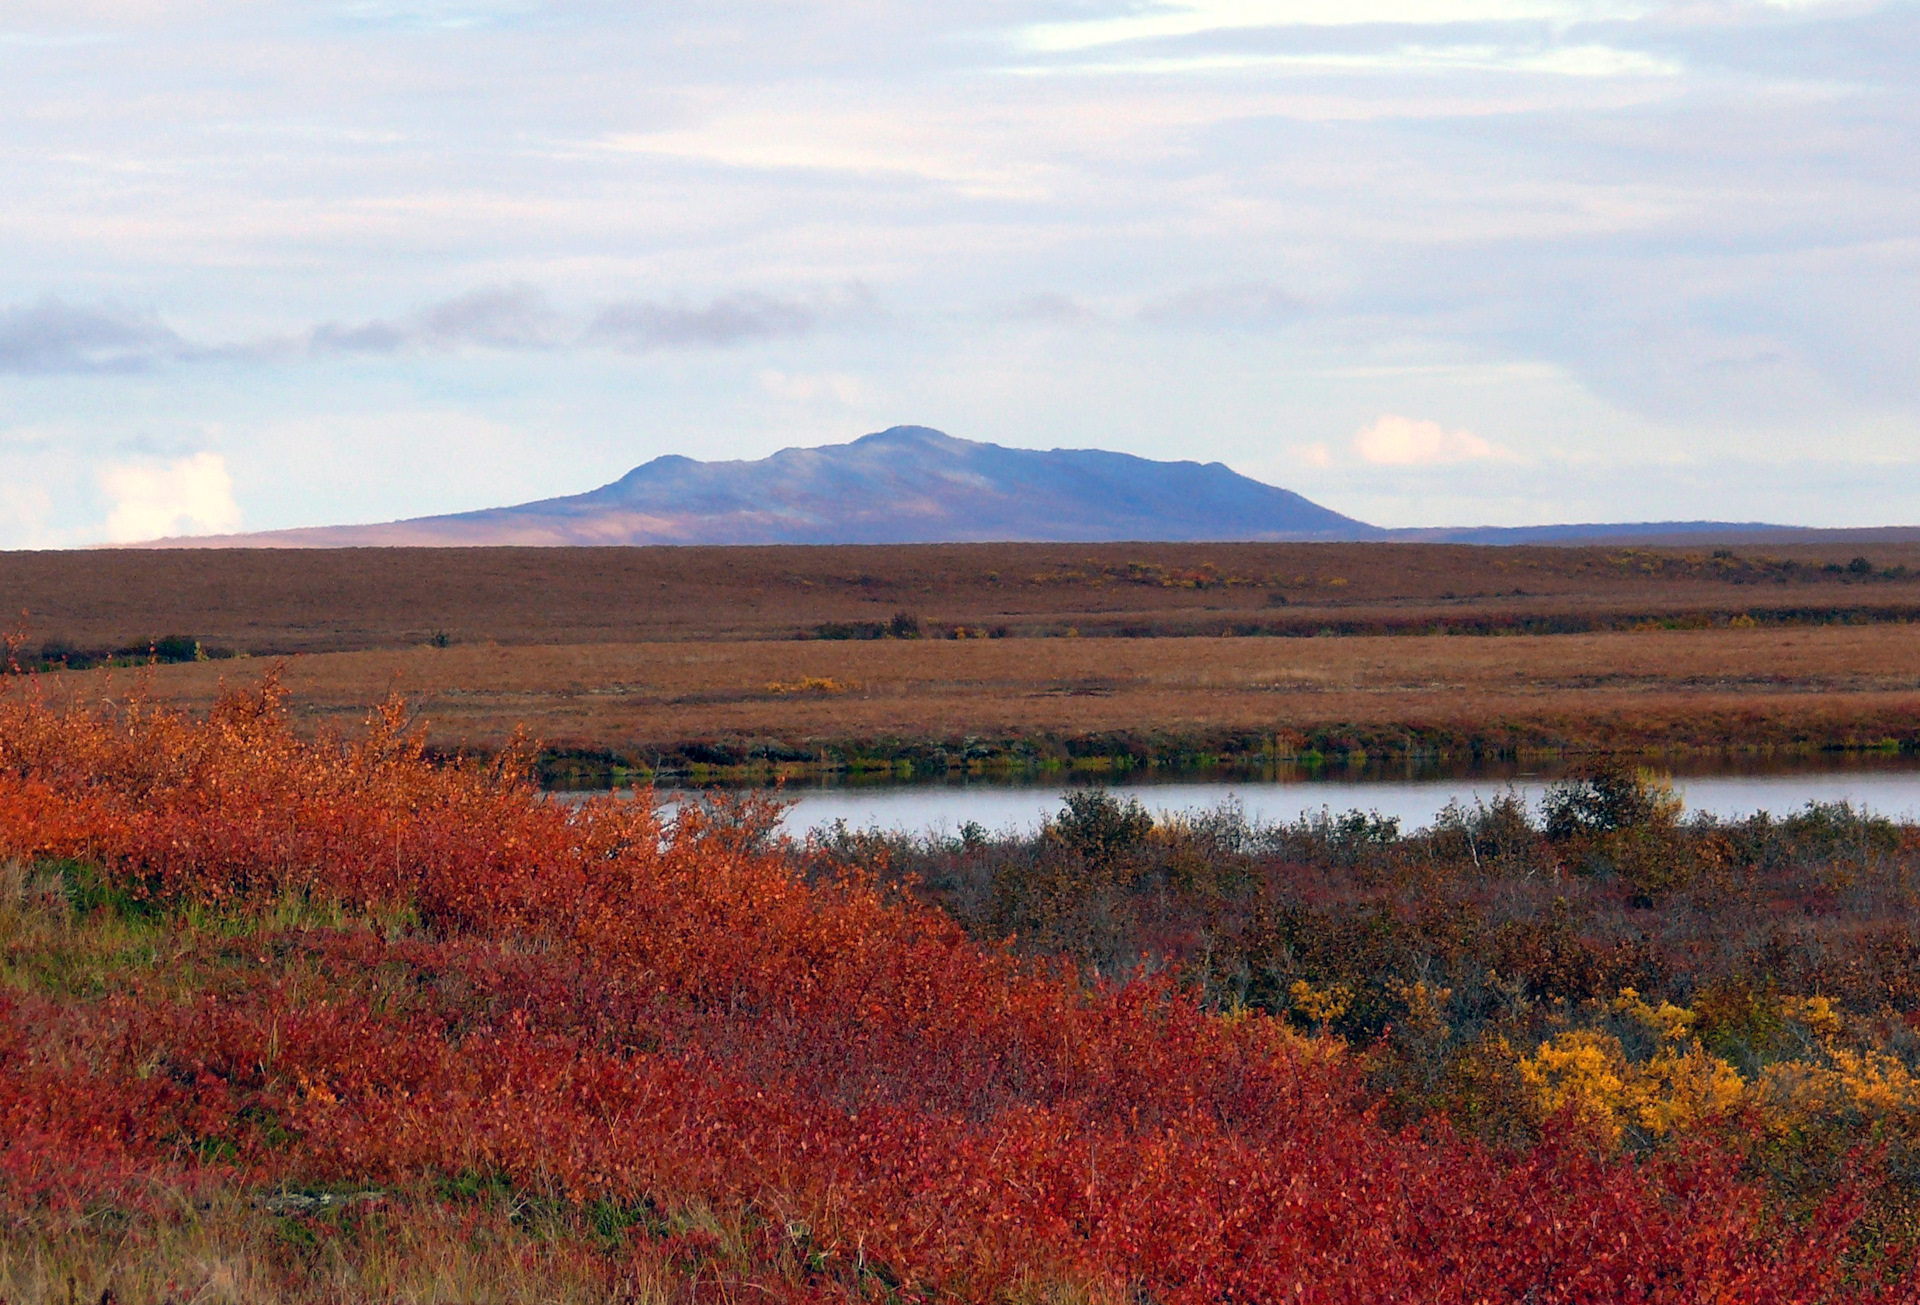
(1428, 262)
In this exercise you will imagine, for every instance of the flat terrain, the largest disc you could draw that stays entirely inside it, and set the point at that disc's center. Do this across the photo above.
(682, 658)
(281, 601)
(736, 702)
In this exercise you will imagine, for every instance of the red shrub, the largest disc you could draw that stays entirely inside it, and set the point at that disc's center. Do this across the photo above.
(597, 1007)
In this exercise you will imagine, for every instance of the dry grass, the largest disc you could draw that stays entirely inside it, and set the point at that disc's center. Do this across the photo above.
(272, 601)
(1714, 688)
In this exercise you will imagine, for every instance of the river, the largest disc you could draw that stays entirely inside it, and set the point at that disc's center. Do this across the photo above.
(1886, 784)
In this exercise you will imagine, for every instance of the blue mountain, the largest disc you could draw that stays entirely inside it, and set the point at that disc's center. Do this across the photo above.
(908, 484)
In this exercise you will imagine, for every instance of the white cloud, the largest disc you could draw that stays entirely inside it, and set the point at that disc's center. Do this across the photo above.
(1405, 442)
(931, 143)
(1163, 21)
(191, 496)
(1560, 61)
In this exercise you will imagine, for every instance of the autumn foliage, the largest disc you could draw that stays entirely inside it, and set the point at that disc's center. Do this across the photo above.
(351, 967)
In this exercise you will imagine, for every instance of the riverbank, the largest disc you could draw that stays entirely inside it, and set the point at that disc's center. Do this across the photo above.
(890, 761)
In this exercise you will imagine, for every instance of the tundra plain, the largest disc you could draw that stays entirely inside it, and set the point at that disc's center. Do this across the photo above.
(268, 601)
(732, 660)
(292, 1011)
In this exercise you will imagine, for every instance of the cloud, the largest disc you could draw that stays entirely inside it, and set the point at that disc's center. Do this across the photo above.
(51, 336)
(1164, 21)
(521, 318)
(493, 317)
(191, 496)
(112, 13)
(639, 325)
(1597, 61)
(1404, 442)
(515, 317)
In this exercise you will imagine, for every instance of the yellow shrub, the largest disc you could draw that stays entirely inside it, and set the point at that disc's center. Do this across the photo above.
(1587, 1070)
(1681, 1083)
(1425, 1014)
(1676, 1088)
(1321, 1005)
(1664, 803)
(1667, 1021)
(1583, 1069)
(1870, 1082)
(1815, 1013)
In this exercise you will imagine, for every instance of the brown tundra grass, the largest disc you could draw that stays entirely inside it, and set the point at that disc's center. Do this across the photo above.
(1710, 689)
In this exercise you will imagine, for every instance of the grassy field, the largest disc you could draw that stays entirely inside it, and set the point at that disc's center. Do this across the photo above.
(83, 604)
(743, 661)
(987, 701)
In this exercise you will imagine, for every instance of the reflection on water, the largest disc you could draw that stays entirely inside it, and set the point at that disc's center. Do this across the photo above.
(1887, 784)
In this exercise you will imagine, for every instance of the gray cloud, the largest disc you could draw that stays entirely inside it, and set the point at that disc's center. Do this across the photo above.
(494, 317)
(519, 318)
(51, 337)
(368, 337)
(638, 325)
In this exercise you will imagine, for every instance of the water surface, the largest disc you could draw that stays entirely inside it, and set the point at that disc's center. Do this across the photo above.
(1415, 794)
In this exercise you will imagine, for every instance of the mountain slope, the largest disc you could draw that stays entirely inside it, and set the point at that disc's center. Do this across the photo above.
(914, 485)
(909, 484)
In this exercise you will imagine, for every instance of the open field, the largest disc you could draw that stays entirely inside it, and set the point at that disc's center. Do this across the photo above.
(951, 702)
(278, 601)
(293, 1023)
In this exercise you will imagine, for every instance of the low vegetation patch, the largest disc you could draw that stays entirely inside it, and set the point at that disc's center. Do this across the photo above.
(1659, 981)
(325, 1020)
(809, 684)
(23, 655)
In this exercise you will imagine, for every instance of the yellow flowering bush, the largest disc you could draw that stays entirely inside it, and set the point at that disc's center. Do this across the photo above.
(1682, 1083)
(1588, 1070)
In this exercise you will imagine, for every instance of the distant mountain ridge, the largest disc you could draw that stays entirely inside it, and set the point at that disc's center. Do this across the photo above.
(916, 485)
(908, 484)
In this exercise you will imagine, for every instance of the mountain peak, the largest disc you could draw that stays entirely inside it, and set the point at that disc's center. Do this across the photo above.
(911, 436)
(905, 484)
(914, 484)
